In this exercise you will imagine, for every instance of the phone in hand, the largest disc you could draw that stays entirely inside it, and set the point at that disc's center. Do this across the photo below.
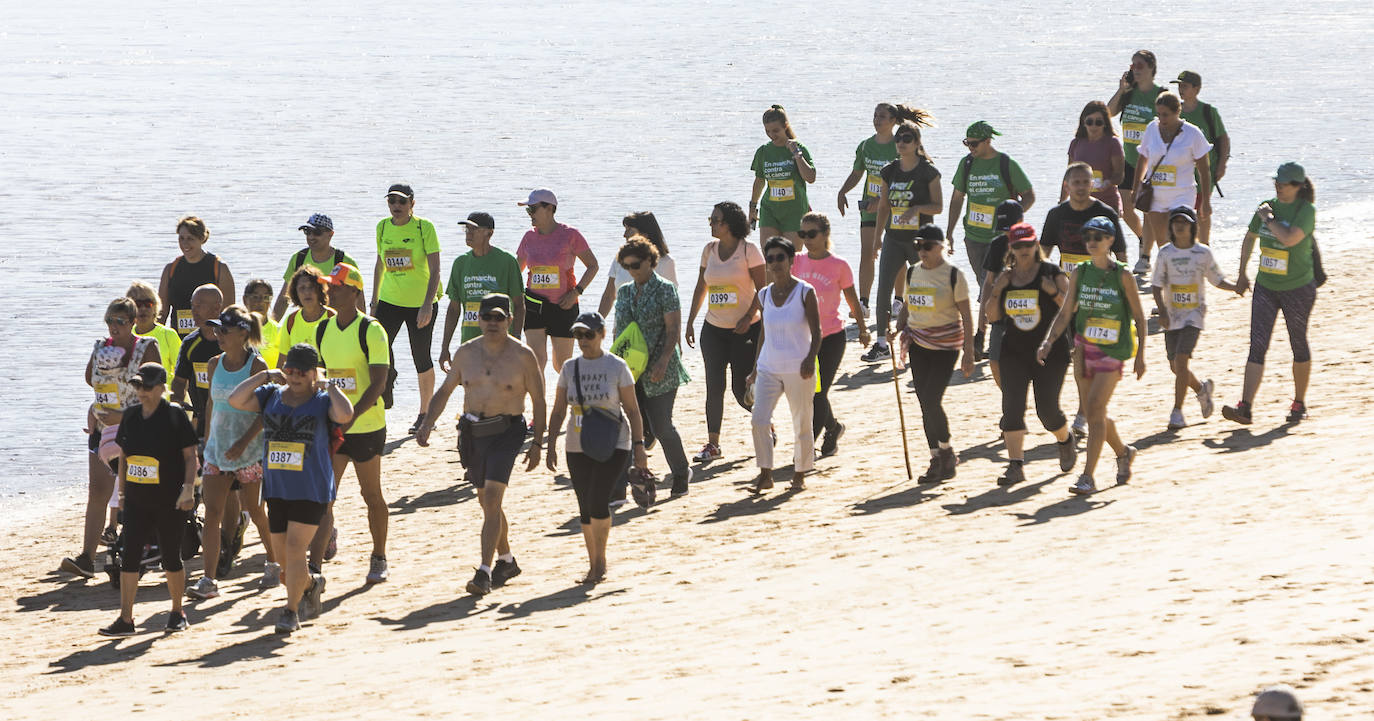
(1128, 77)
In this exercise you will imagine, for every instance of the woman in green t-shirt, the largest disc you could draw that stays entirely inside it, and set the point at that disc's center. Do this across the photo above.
(1134, 102)
(1286, 282)
(783, 167)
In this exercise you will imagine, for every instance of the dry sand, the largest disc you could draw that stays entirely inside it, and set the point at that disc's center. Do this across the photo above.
(1237, 557)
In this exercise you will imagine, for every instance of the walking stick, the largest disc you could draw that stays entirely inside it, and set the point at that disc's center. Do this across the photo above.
(901, 415)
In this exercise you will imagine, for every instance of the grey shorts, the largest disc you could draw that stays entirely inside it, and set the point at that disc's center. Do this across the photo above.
(995, 333)
(1181, 341)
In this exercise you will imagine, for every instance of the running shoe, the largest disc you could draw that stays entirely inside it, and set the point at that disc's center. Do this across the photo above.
(1068, 452)
(1297, 412)
(1013, 475)
(204, 589)
(681, 485)
(332, 549)
(1080, 426)
(109, 536)
(480, 585)
(377, 571)
(830, 443)
(947, 463)
(896, 306)
(177, 622)
(81, 565)
(231, 551)
(1123, 465)
(709, 452)
(271, 576)
(504, 571)
(1142, 266)
(288, 621)
(876, 352)
(312, 603)
(978, 339)
(1204, 398)
(419, 421)
(1084, 486)
(863, 303)
(1240, 413)
(120, 628)
(1176, 420)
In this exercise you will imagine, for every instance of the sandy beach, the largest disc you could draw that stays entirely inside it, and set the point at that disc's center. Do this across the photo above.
(1236, 557)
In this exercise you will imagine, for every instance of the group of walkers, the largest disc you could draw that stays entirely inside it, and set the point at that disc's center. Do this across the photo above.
(283, 401)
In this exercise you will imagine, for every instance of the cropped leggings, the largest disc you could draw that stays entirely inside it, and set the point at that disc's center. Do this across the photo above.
(1019, 372)
(592, 482)
(392, 317)
(896, 254)
(721, 347)
(150, 512)
(930, 369)
(829, 357)
(1296, 305)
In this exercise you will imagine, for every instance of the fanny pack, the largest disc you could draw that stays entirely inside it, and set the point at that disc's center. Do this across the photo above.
(485, 427)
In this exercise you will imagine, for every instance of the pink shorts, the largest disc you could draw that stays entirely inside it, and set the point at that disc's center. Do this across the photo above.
(1095, 360)
(247, 474)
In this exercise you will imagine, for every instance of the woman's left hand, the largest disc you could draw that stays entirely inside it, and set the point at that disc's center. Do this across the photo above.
(1139, 366)
(236, 450)
(864, 336)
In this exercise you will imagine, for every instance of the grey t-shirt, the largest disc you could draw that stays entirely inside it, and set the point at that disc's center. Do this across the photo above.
(602, 379)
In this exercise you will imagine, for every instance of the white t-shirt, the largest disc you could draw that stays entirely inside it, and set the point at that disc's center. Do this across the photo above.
(602, 378)
(666, 269)
(1179, 274)
(1173, 178)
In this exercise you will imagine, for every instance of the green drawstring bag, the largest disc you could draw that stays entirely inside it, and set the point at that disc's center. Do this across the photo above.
(633, 349)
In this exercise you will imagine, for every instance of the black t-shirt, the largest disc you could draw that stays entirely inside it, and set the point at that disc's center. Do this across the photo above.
(193, 366)
(1029, 315)
(906, 188)
(996, 258)
(160, 437)
(1064, 228)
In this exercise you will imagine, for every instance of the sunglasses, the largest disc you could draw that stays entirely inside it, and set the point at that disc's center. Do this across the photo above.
(906, 138)
(397, 200)
(145, 303)
(531, 208)
(776, 258)
(1023, 244)
(583, 335)
(973, 142)
(140, 385)
(631, 266)
(315, 232)
(1094, 236)
(492, 317)
(930, 245)
(1094, 122)
(808, 234)
(116, 320)
(288, 370)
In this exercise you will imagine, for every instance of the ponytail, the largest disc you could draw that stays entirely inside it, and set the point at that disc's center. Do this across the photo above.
(916, 116)
(1307, 192)
(775, 114)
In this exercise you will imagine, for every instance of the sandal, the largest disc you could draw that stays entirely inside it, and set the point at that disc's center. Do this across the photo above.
(761, 484)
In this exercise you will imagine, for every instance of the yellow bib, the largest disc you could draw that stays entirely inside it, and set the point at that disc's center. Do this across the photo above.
(107, 396)
(781, 191)
(1183, 297)
(345, 379)
(544, 277)
(875, 184)
(897, 224)
(1165, 176)
(142, 470)
(1068, 261)
(202, 374)
(285, 456)
(398, 259)
(1023, 307)
(722, 296)
(470, 314)
(1102, 331)
(1099, 183)
(1273, 261)
(185, 321)
(1133, 133)
(980, 216)
(920, 299)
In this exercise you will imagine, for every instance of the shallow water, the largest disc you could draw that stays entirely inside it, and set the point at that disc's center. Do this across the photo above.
(119, 118)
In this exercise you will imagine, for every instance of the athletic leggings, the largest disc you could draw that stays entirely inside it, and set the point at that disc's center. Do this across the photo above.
(1018, 373)
(1296, 305)
(592, 481)
(392, 317)
(829, 356)
(896, 254)
(721, 347)
(931, 370)
(151, 512)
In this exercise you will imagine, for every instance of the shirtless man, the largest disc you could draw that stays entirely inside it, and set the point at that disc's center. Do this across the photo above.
(496, 372)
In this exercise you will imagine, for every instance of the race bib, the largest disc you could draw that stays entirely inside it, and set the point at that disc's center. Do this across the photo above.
(875, 185)
(544, 277)
(470, 314)
(398, 259)
(897, 223)
(723, 296)
(1183, 297)
(1102, 331)
(202, 374)
(285, 456)
(107, 396)
(980, 216)
(1023, 307)
(1164, 176)
(185, 321)
(781, 191)
(1069, 261)
(1274, 261)
(142, 469)
(576, 417)
(920, 299)
(1133, 133)
(1099, 184)
(345, 379)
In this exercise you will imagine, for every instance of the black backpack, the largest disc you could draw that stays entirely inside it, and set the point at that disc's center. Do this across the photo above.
(299, 260)
(1004, 161)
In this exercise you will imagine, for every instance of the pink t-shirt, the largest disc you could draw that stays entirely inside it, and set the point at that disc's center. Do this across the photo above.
(829, 276)
(549, 260)
(729, 286)
(1099, 156)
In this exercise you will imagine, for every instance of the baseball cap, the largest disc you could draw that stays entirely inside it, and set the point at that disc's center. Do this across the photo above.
(302, 357)
(1277, 702)
(230, 318)
(479, 220)
(591, 320)
(1189, 77)
(1021, 233)
(541, 195)
(400, 189)
(1008, 213)
(1183, 211)
(318, 221)
(150, 374)
(495, 301)
(345, 274)
(930, 231)
(1289, 172)
(980, 129)
(1101, 224)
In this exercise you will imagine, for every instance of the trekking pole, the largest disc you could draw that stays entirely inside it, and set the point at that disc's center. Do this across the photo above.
(901, 415)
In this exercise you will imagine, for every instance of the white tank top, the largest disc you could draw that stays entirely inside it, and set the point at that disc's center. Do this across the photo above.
(786, 334)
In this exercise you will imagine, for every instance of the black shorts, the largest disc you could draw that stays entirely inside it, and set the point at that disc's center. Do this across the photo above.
(281, 511)
(1182, 341)
(547, 316)
(492, 458)
(1127, 178)
(363, 447)
(868, 224)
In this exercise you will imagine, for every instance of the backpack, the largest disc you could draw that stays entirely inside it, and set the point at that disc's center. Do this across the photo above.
(299, 259)
(362, 336)
(1004, 170)
(953, 276)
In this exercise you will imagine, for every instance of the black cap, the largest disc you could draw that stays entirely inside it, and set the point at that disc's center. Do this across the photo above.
(400, 189)
(479, 220)
(230, 318)
(1008, 213)
(302, 357)
(150, 374)
(1183, 211)
(495, 301)
(591, 320)
(930, 231)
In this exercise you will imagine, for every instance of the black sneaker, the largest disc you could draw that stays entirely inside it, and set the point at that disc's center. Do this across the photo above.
(480, 585)
(1297, 412)
(947, 463)
(119, 628)
(419, 421)
(503, 571)
(1013, 475)
(978, 353)
(177, 622)
(1068, 452)
(876, 352)
(830, 443)
(680, 485)
(82, 565)
(934, 473)
(109, 536)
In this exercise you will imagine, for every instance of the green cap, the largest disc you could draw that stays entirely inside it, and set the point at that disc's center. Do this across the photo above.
(1189, 77)
(980, 131)
(1290, 172)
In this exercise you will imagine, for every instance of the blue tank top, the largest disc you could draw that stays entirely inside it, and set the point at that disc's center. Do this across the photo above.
(227, 425)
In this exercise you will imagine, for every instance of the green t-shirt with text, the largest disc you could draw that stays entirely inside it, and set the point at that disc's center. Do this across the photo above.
(473, 277)
(1285, 267)
(404, 251)
(786, 188)
(871, 157)
(1139, 111)
(984, 188)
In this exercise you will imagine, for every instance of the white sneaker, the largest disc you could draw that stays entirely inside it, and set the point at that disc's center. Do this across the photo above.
(1080, 425)
(205, 588)
(271, 576)
(1204, 398)
(1176, 420)
(1142, 266)
(864, 306)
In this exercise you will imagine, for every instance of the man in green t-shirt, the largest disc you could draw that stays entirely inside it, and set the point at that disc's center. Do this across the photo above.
(319, 251)
(1207, 119)
(483, 270)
